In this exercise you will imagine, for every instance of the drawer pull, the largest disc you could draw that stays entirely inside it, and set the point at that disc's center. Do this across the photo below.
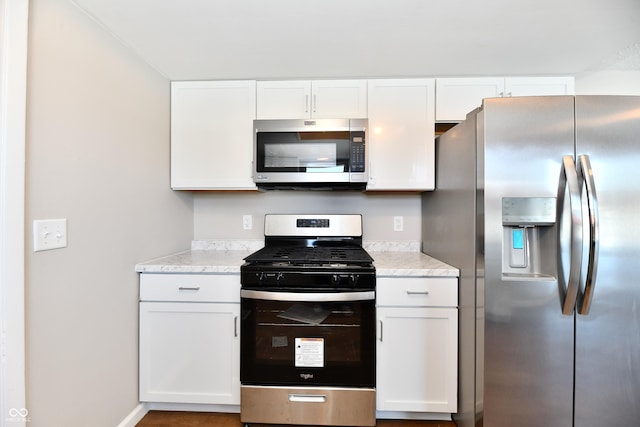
(417, 292)
(189, 288)
(308, 398)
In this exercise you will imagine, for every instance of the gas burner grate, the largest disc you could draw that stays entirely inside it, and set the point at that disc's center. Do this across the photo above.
(311, 255)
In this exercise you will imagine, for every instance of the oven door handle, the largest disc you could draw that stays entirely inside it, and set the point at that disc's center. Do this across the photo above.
(308, 296)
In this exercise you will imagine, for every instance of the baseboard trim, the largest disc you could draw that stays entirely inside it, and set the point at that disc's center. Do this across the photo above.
(193, 407)
(424, 416)
(135, 416)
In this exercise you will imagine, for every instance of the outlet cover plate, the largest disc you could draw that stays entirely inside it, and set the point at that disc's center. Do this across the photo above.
(398, 223)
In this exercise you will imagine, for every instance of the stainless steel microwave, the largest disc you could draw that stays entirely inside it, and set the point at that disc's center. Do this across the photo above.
(310, 154)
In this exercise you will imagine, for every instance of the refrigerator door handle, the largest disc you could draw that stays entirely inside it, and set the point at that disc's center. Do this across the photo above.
(569, 178)
(585, 173)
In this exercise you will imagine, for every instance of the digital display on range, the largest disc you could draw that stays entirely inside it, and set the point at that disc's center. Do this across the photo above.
(312, 223)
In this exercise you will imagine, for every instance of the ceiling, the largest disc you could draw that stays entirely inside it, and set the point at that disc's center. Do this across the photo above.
(279, 39)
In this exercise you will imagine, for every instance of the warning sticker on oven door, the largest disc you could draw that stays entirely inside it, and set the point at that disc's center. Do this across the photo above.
(310, 352)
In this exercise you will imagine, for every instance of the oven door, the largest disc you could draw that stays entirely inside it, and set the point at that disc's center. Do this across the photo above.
(308, 338)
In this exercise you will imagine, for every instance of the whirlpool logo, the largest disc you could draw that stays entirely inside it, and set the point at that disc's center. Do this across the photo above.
(306, 376)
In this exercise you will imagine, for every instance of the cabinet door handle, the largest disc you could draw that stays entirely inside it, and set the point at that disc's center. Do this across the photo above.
(235, 326)
(306, 103)
(417, 292)
(189, 288)
(380, 322)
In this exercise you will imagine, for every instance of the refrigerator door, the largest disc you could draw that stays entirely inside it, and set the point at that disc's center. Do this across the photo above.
(528, 342)
(607, 391)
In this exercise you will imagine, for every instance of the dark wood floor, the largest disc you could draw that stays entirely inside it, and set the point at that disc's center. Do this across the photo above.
(201, 419)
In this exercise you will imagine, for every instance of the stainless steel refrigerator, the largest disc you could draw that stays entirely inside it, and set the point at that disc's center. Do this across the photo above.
(537, 201)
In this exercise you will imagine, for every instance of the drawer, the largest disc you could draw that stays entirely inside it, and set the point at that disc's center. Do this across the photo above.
(190, 287)
(417, 292)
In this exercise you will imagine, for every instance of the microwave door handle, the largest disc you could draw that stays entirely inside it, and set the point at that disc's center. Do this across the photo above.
(585, 172)
(569, 179)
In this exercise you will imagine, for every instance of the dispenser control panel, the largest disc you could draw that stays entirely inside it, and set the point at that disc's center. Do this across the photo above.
(528, 211)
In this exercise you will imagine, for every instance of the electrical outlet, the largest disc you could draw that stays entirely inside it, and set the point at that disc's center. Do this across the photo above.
(49, 234)
(247, 222)
(398, 223)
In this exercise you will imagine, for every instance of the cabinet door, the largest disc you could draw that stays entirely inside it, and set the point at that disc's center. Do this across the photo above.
(417, 359)
(288, 99)
(401, 134)
(455, 97)
(212, 135)
(539, 86)
(318, 99)
(189, 353)
(339, 99)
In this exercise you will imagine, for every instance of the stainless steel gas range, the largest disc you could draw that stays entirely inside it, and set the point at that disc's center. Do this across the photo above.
(308, 324)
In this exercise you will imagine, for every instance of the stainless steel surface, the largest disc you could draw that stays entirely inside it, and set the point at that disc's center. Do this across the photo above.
(302, 125)
(296, 368)
(308, 296)
(586, 173)
(309, 406)
(608, 338)
(569, 181)
(452, 217)
(528, 211)
(308, 177)
(528, 343)
(522, 370)
(338, 225)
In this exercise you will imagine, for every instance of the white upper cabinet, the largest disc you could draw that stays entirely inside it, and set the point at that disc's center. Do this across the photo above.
(212, 135)
(319, 99)
(401, 134)
(535, 86)
(455, 97)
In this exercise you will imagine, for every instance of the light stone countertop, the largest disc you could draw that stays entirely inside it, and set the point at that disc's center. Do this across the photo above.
(225, 257)
(415, 264)
(197, 261)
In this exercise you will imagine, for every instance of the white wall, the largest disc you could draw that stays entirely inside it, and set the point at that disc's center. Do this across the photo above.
(98, 155)
(219, 215)
(608, 82)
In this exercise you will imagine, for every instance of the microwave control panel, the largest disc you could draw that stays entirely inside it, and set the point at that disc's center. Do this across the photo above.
(357, 152)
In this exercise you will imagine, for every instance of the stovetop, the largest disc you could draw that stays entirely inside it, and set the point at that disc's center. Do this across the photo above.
(316, 256)
(310, 252)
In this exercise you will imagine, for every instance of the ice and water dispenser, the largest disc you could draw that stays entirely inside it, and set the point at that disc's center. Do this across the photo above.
(529, 239)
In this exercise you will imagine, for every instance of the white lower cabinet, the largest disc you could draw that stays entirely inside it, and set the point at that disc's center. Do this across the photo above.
(190, 339)
(417, 350)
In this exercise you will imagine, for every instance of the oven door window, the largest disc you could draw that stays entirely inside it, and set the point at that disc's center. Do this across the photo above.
(303, 151)
(308, 343)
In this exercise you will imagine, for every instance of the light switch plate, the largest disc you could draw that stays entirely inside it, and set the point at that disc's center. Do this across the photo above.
(49, 234)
